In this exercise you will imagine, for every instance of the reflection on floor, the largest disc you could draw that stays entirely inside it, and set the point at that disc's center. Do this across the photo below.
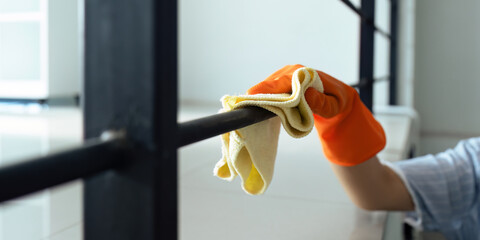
(28, 131)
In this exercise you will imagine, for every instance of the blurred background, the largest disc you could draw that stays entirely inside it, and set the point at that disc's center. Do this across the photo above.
(225, 47)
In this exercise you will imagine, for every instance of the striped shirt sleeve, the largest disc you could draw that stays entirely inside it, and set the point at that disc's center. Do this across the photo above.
(445, 190)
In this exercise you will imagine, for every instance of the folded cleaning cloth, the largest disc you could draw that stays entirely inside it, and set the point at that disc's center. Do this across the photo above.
(250, 151)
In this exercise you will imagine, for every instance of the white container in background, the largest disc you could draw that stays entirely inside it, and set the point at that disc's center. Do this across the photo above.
(39, 49)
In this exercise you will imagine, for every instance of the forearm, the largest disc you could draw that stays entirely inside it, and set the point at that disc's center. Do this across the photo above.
(373, 186)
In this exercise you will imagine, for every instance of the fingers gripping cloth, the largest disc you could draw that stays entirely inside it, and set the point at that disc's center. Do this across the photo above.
(250, 151)
(349, 133)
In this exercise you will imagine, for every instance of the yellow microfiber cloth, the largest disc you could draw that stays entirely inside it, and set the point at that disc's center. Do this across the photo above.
(250, 151)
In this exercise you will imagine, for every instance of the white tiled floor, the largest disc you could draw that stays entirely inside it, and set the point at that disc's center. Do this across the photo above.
(304, 200)
(55, 213)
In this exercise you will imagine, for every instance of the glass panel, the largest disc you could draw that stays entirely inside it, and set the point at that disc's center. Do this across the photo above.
(382, 56)
(381, 69)
(381, 93)
(356, 3)
(382, 15)
(19, 50)
(14, 6)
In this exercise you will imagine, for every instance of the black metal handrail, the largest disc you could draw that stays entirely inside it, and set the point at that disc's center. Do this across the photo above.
(32, 175)
(98, 155)
(364, 81)
(207, 127)
(200, 129)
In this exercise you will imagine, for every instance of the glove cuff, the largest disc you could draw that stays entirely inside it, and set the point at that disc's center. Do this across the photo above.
(352, 136)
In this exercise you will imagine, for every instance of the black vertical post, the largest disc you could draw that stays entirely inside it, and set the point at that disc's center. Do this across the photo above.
(393, 51)
(366, 52)
(131, 84)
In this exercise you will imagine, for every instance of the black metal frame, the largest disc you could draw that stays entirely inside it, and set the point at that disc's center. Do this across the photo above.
(367, 45)
(131, 84)
(393, 94)
(130, 92)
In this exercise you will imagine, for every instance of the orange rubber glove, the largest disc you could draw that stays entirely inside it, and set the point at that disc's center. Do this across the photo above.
(348, 131)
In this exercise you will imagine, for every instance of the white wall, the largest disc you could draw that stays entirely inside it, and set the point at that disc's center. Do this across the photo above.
(227, 46)
(447, 71)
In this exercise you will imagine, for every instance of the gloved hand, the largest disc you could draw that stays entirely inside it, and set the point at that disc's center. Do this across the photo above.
(348, 131)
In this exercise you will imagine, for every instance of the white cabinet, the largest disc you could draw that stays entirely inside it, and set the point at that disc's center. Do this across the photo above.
(39, 49)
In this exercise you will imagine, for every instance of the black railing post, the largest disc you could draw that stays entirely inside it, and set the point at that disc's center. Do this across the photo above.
(393, 51)
(367, 52)
(131, 84)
